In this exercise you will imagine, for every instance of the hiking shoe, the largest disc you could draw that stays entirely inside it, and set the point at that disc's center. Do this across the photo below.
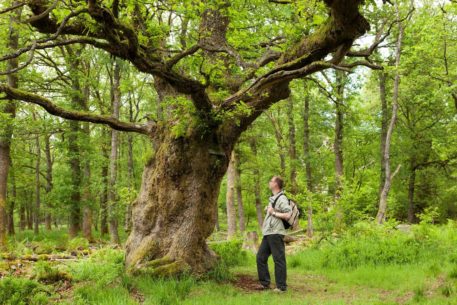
(263, 287)
(279, 290)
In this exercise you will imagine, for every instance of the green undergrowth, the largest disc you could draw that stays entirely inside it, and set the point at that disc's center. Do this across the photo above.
(367, 264)
(23, 291)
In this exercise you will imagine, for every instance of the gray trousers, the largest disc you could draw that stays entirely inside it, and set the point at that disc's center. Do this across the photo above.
(272, 244)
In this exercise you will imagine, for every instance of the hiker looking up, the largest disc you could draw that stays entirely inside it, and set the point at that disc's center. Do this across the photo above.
(273, 237)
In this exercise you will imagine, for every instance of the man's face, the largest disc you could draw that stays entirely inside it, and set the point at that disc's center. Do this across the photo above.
(272, 184)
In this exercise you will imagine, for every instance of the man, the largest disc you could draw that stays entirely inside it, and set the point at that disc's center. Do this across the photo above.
(273, 237)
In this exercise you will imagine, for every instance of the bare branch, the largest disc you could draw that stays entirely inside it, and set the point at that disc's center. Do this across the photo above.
(53, 109)
(175, 59)
(395, 172)
(280, 1)
(32, 52)
(348, 66)
(8, 9)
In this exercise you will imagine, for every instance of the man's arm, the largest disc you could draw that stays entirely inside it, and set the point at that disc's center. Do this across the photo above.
(284, 216)
(282, 210)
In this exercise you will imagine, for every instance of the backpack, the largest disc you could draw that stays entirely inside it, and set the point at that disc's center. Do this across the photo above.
(293, 220)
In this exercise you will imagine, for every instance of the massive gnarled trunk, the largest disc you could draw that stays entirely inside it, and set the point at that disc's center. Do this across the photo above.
(175, 210)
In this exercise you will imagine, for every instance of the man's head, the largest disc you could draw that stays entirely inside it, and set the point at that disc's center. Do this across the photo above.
(276, 184)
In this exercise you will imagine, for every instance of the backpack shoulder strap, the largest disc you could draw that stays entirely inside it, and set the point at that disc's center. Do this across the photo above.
(274, 202)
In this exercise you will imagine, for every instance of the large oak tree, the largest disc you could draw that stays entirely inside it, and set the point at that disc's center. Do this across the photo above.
(226, 62)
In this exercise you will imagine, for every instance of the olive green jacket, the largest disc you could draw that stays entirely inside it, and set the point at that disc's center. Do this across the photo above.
(272, 224)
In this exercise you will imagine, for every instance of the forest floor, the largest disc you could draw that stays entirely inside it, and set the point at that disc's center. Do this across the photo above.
(80, 273)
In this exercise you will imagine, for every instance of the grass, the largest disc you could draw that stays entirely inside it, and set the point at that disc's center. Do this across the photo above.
(365, 265)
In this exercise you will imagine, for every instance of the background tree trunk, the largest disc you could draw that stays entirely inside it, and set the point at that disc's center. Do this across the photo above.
(87, 200)
(338, 144)
(75, 166)
(22, 217)
(381, 215)
(239, 194)
(36, 212)
(280, 142)
(49, 185)
(112, 192)
(86, 192)
(230, 197)
(411, 189)
(307, 157)
(12, 203)
(257, 193)
(104, 193)
(218, 225)
(8, 107)
(292, 147)
(384, 126)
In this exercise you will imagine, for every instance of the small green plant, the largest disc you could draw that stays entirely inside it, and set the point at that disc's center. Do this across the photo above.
(77, 243)
(220, 272)
(230, 252)
(46, 273)
(429, 216)
(104, 266)
(448, 289)
(453, 273)
(419, 293)
(44, 246)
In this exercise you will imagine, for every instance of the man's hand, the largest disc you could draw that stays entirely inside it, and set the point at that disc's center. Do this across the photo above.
(270, 210)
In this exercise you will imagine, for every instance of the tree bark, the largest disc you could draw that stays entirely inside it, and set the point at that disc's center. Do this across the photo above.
(77, 103)
(230, 197)
(175, 210)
